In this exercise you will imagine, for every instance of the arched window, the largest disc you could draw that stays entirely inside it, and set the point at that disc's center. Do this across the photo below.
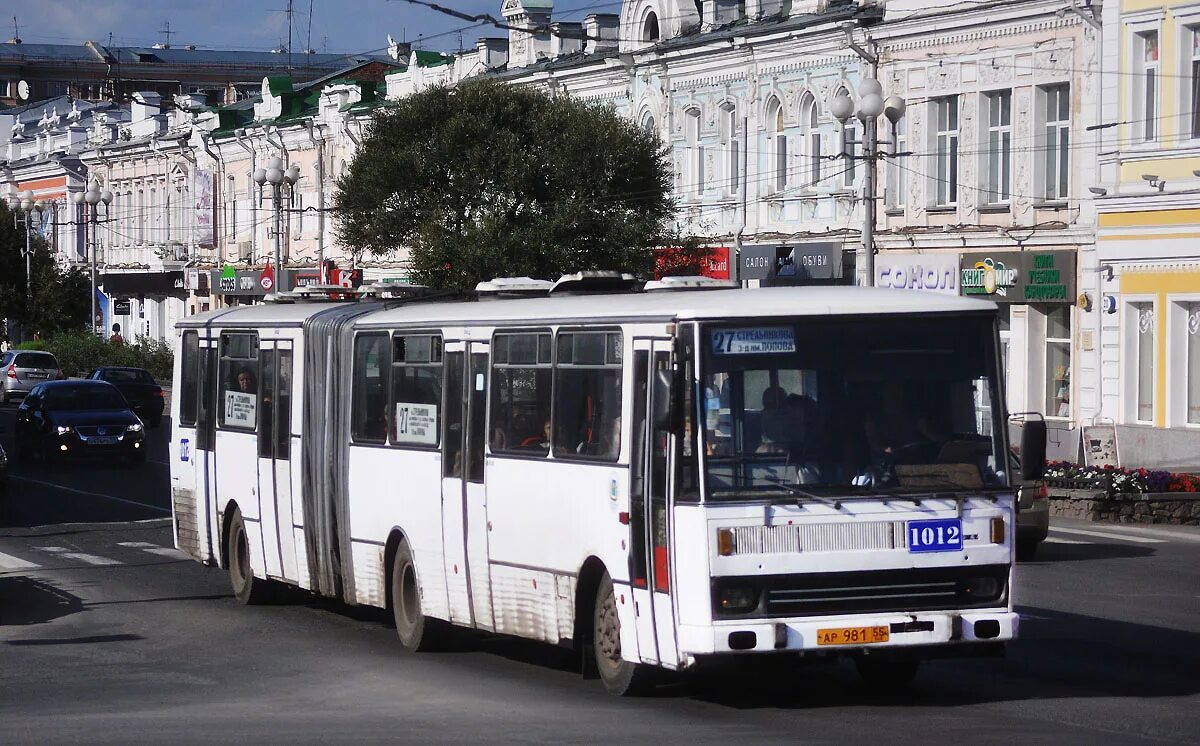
(729, 146)
(777, 145)
(650, 27)
(648, 123)
(694, 168)
(809, 120)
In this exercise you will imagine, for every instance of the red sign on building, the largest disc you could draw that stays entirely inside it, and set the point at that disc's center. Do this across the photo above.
(709, 261)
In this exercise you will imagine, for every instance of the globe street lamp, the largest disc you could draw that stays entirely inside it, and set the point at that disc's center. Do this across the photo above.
(92, 197)
(28, 210)
(281, 181)
(871, 104)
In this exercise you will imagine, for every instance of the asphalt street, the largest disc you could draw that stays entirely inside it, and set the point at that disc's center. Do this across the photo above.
(109, 635)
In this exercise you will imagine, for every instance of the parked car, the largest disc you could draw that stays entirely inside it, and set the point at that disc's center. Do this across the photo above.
(24, 369)
(145, 396)
(78, 418)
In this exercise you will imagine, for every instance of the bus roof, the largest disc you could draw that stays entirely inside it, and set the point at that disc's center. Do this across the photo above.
(739, 303)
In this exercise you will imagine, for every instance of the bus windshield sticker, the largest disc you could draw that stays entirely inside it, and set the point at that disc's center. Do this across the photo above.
(416, 423)
(753, 340)
(240, 409)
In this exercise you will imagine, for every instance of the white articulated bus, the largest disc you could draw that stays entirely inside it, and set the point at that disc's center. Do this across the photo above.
(653, 477)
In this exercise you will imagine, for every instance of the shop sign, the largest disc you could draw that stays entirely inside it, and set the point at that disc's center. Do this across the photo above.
(909, 270)
(712, 261)
(121, 307)
(1020, 276)
(788, 265)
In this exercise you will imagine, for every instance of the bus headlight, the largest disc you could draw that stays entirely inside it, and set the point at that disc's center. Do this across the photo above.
(738, 598)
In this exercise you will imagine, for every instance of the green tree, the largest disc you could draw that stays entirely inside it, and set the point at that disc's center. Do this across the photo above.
(486, 179)
(60, 299)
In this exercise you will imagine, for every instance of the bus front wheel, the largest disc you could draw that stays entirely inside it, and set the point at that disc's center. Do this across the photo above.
(247, 588)
(620, 677)
(417, 632)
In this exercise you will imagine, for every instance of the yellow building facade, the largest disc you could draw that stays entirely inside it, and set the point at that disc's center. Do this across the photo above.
(1147, 285)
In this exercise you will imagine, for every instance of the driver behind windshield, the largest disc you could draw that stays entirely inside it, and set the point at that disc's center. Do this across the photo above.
(893, 425)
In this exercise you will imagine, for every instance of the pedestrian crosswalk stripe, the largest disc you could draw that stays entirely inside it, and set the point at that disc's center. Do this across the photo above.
(1108, 535)
(1056, 540)
(155, 549)
(90, 559)
(9, 562)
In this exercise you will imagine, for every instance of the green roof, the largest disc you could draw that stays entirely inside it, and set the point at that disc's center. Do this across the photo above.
(427, 58)
(279, 84)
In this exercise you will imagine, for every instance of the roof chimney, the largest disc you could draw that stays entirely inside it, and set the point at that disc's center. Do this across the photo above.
(526, 47)
(565, 38)
(492, 51)
(601, 32)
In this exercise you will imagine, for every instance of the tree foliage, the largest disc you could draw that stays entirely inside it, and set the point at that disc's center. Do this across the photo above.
(487, 179)
(60, 299)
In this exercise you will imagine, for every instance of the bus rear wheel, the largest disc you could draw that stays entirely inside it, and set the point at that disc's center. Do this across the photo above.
(621, 677)
(418, 633)
(247, 588)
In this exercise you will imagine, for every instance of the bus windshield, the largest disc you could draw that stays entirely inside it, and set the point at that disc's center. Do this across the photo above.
(839, 405)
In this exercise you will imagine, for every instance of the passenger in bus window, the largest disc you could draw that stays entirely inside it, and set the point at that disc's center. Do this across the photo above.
(245, 381)
(538, 440)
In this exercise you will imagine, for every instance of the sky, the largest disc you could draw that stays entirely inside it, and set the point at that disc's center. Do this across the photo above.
(337, 26)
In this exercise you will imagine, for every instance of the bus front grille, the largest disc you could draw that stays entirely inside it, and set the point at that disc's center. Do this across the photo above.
(818, 537)
(874, 591)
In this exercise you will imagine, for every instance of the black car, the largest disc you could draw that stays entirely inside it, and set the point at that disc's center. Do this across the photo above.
(143, 394)
(78, 418)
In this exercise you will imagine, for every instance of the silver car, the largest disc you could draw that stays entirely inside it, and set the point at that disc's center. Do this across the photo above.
(21, 370)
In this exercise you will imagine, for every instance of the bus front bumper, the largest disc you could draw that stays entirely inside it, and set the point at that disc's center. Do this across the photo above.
(849, 634)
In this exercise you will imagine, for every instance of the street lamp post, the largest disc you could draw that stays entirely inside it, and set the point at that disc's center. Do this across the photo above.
(275, 175)
(92, 197)
(29, 210)
(870, 105)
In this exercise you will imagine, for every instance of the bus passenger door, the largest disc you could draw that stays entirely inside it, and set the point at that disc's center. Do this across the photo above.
(475, 491)
(639, 536)
(206, 444)
(274, 453)
(657, 511)
(454, 527)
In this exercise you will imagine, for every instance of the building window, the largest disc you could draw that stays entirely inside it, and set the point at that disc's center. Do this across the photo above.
(695, 163)
(809, 116)
(729, 146)
(1193, 35)
(1057, 114)
(648, 123)
(1058, 362)
(1146, 84)
(1144, 357)
(777, 146)
(1192, 331)
(850, 141)
(999, 158)
(895, 171)
(946, 173)
(650, 27)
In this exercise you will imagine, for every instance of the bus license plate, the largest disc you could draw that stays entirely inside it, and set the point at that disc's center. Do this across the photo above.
(852, 635)
(941, 535)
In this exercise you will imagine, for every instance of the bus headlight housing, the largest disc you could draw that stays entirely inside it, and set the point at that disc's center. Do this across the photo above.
(737, 597)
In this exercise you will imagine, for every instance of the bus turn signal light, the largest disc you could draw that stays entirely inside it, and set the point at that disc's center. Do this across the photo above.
(998, 530)
(724, 542)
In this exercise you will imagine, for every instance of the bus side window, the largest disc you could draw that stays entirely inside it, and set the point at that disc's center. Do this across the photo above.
(189, 372)
(237, 407)
(416, 395)
(521, 381)
(368, 422)
(587, 399)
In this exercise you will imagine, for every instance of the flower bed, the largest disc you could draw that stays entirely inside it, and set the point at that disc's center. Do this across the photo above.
(1116, 481)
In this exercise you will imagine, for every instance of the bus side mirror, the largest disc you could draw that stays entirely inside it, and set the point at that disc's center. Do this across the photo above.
(1033, 449)
(665, 409)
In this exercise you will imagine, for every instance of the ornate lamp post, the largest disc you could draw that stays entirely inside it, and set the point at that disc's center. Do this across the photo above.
(26, 210)
(92, 197)
(281, 182)
(870, 105)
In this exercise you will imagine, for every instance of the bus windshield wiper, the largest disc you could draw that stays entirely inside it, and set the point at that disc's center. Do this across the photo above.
(836, 504)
